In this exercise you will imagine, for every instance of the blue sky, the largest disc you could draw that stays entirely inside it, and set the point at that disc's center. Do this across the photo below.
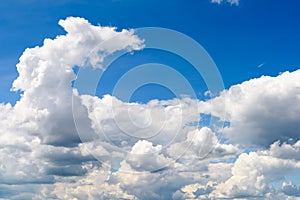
(60, 143)
(238, 38)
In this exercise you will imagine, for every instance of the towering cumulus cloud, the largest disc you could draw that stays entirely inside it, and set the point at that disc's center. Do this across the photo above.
(45, 75)
(44, 157)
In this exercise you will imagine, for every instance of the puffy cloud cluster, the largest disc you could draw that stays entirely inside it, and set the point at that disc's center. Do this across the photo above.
(156, 150)
(262, 110)
(94, 185)
(38, 135)
(46, 73)
(251, 174)
(160, 122)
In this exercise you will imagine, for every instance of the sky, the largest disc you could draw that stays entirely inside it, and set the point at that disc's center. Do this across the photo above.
(128, 99)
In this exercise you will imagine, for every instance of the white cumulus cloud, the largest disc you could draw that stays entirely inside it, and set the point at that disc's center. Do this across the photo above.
(155, 150)
(262, 110)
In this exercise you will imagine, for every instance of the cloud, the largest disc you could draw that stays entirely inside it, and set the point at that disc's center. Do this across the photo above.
(252, 173)
(194, 191)
(160, 122)
(200, 147)
(251, 176)
(45, 75)
(155, 150)
(290, 189)
(286, 151)
(147, 185)
(232, 2)
(146, 157)
(156, 169)
(262, 110)
(93, 185)
(38, 136)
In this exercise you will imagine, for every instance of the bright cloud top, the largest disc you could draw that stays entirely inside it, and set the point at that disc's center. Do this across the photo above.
(42, 156)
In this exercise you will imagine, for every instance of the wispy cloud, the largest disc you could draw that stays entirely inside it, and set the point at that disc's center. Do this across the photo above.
(260, 65)
(232, 2)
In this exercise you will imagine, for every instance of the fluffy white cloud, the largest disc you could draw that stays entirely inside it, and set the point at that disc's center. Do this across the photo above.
(150, 185)
(94, 185)
(43, 115)
(160, 122)
(148, 151)
(252, 173)
(194, 191)
(146, 157)
(200, 147)
(46, 74)
(135, 174)
(286, 151)
(262, 110)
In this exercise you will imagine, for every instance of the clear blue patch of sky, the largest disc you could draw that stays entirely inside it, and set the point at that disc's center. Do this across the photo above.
(123, 64)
